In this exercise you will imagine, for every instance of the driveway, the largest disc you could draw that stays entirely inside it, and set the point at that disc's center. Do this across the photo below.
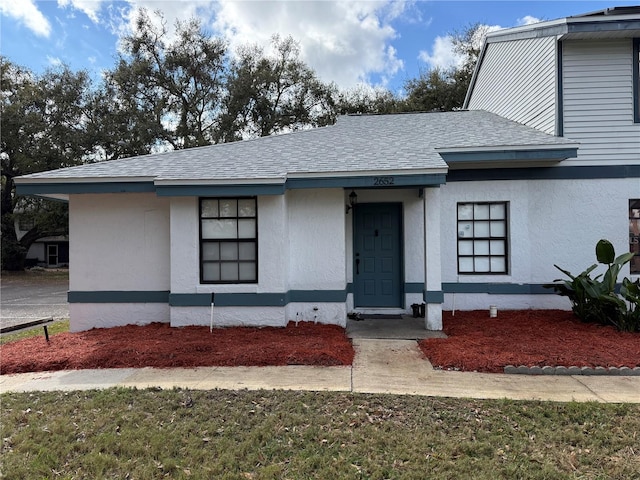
(27, 297)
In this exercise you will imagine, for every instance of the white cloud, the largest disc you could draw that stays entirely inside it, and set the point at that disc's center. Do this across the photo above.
(54, 61)
(26, 12)
(89, 7)
(443, 54)
(528, 20)
(345, 42)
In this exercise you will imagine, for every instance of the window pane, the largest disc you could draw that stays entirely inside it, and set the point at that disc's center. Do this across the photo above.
(210, 272)
(498, 265)
(228, 207)
(497, 211)
(465, 247)
(481, 247)
(219, 229)
(465, 229)
(247, 228)
(497, 247)
(247, 207)
(481, 264)
(498, 229)
(247, 251)
(465, 264)
(209, 208)
(481, 229)
(229, 251)
(211, 251)
(229, 272)
(481, 212)
(465, 211)
(247, 271)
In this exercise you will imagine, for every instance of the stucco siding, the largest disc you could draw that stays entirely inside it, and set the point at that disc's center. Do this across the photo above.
(550, 222)
(316, 239)
(598, 101)
(517, 80)
(119, 242)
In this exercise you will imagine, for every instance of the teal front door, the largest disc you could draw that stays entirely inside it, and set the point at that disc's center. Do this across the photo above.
(377, 255)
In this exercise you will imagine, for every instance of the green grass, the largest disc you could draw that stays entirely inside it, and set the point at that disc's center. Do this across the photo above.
(53, 328)
(146, 434)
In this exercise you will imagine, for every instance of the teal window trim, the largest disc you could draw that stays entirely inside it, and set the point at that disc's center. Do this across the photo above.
(636, 80)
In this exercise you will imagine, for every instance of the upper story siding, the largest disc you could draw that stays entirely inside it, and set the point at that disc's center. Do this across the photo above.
(597, 97)
(517, 80)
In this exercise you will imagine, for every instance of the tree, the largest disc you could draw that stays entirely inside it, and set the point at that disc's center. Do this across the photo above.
(274, 94)
(367, 100)
(445, 90)
(43, 127)
(173, 87)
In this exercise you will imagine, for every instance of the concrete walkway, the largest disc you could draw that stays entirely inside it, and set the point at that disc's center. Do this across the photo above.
(380, 366)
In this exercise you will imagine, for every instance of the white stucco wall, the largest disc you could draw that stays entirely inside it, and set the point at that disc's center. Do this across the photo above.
(316, 239)
(229, 316)
(119, 242)
(85, 316)
(550, 222)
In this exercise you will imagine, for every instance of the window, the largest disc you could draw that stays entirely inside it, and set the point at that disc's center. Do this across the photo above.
(634, 234)
(482, 238)
(228, 240)
(636, 80)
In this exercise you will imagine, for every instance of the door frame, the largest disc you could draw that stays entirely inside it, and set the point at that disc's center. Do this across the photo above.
(401, 249)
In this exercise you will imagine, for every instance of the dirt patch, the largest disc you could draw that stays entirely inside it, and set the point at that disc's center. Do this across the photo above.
(528, 337)
(159, 345)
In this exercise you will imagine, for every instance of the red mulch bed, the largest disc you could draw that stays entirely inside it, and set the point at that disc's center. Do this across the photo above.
(159, 345)
(528, 337)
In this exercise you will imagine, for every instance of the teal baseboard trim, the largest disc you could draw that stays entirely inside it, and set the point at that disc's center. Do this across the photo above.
(322, 296)
(414, 287)
(292, 296)
(257, 299)
(434, 296)
(118, 296)
(497, 288)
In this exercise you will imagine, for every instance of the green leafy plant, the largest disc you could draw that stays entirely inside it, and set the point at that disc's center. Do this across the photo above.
(595, 299)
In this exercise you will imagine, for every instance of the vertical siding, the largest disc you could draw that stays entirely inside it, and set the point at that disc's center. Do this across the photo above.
(598, 100)
(517, 80)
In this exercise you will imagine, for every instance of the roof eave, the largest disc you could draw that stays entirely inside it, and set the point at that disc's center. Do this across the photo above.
(508, 157)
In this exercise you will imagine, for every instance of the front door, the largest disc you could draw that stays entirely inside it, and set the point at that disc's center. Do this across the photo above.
(377, 253)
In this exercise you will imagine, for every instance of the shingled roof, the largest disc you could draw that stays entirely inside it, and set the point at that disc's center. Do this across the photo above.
(356, 145)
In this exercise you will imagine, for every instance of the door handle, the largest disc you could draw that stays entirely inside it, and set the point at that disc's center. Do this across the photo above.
(357, 266)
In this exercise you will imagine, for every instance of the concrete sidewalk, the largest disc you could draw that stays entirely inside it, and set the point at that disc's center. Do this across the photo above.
(380, 366)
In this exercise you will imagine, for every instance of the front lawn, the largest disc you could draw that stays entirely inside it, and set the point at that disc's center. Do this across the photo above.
(146, 434)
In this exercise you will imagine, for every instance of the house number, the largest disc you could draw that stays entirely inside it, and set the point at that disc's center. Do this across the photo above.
(382, 181)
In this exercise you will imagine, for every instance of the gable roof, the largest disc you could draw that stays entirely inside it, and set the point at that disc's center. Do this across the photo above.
(616, 22)
(411, 147)
(610, 23)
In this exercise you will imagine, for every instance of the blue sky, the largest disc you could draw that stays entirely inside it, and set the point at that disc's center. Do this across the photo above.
(376, 43)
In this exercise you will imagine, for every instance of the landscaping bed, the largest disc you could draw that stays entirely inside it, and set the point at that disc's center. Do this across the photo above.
(528, 337)
(159, 345)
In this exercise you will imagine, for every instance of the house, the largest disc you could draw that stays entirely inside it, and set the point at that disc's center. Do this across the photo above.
(44, 252)
(457, 210)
